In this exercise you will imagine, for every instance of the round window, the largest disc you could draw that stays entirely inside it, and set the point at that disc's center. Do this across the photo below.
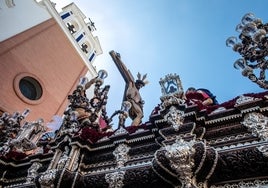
(30, 88)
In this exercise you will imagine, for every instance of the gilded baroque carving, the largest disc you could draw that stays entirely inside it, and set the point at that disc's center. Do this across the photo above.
(242, 184)
(263, 150)
(171, 84)
(171, 100)
(257, 124)
(244, 162)
(172, 91)
(29, 135)
(72, 128)
(115, 179)
(76, 161)
(175, 117)
(180, 155)
(121, 155)
(63, 158)
(32, 172)
(120, 131)
(47, 178)
(243, 99)
(17, 135)
(84, 113)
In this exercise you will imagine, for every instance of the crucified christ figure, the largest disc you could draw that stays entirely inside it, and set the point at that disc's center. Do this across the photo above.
(132, 88)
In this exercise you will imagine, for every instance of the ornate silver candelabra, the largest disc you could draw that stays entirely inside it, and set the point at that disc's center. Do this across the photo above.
(252, 46)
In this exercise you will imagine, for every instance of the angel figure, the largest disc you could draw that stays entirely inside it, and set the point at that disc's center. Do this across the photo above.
(132, 88)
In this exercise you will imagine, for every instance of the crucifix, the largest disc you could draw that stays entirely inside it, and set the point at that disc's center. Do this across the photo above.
(132, 88)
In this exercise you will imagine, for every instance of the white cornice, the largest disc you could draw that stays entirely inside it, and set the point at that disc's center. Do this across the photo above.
(58, 19)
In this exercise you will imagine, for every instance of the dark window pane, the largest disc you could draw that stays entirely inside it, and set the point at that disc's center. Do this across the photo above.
(30, 88)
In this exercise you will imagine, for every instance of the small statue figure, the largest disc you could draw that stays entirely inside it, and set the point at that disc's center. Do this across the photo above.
(81, 103)
(84, 113)
(79, 108)
(63, 158)
(132, 88)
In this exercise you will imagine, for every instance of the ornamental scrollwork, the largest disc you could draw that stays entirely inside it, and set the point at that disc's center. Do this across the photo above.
(121, 155)
(181, 158)
(263, 150)
(242, 184)
(28, 135)
(32, 172)
(175, 117)
(115, 179)
(47, 178)
(171, 100)
(172, 91)
(257, 124)
(243, 99)
(121, 131)
(19, 136)
(63, 159)
(171, 84)
(83, 112)
(76, 162)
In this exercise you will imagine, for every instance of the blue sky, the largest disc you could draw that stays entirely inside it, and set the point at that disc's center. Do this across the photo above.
(159, 37)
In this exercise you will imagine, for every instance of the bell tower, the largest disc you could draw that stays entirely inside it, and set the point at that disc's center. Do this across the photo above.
(81, 29)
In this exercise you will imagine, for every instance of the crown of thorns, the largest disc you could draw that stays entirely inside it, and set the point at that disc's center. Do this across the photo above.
(141, 79)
